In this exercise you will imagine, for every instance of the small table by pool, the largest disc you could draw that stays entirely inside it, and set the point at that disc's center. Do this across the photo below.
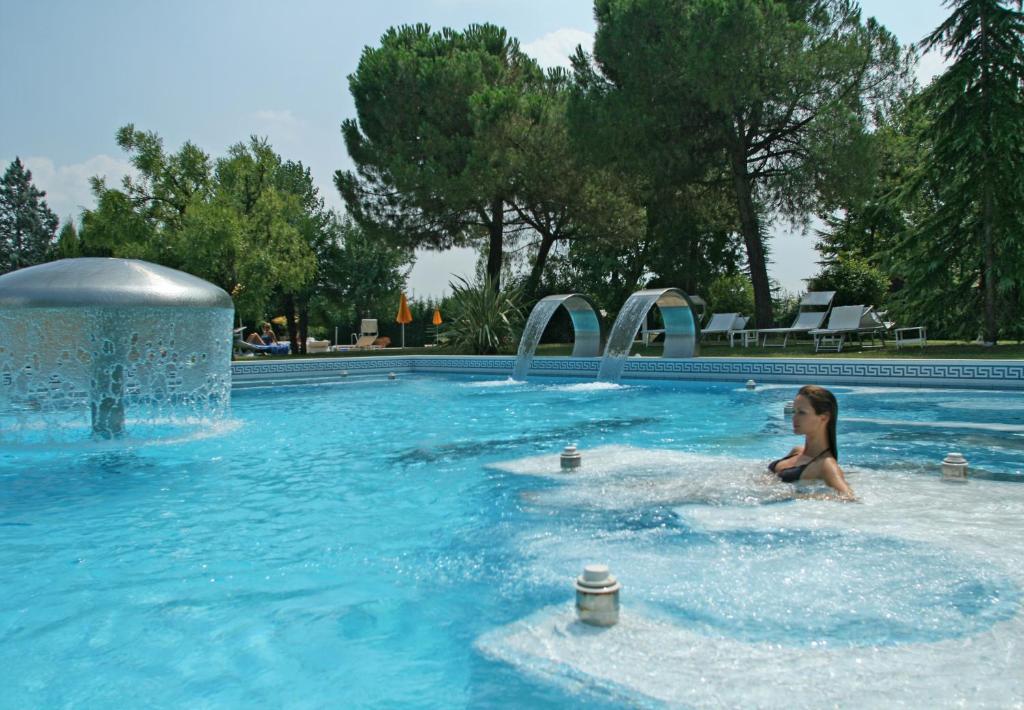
(911, 335)
(746, 337)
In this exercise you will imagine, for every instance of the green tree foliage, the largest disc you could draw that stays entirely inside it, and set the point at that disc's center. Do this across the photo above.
(866, 226)
(731, 294)
(482, 320)
(769, 98)
(558, 196)
(855, 281)
(359, 276)
(68, 244)
(239, 226)
(280, 217)
(965, 255)
(27, 226)
(429, 172)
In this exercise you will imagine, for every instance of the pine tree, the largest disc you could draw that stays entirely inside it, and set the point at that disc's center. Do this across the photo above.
(974, 162)
(27, 226)
(68, 244)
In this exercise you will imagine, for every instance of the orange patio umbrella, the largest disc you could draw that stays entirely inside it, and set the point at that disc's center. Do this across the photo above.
(404, 316)
(436, 321)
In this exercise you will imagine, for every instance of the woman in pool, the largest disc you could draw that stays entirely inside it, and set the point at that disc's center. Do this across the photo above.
(815, 411)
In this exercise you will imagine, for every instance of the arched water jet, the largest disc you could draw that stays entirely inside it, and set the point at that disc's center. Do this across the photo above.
(682, 332)
(585, 323)
(102, 337)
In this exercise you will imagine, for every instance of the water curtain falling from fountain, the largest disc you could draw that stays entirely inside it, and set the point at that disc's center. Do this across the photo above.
(109, 338)
(585, 323)
(682, 333)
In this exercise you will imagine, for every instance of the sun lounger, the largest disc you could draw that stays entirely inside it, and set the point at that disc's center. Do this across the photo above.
(807, 319)
(722, 324)
(849, 322)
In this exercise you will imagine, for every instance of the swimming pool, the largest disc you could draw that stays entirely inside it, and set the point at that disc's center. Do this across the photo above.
(413, 542)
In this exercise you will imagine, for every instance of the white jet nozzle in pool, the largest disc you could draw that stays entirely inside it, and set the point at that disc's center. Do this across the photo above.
(787, 408)
(954, 467)
(751, 384)
(343, 373)
(571, 458)
(392, 375)
(597, 596)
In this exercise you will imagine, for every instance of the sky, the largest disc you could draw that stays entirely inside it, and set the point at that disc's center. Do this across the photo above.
(218, 71)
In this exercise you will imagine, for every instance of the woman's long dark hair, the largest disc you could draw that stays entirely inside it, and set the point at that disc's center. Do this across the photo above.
(824, 402)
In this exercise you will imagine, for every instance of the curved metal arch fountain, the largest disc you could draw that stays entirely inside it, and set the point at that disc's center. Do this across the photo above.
(97, 336)
(585, 322)
(682, 331)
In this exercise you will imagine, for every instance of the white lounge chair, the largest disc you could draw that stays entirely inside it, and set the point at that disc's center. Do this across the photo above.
(317, 346)
(846, 322)
(722, 324)
(807, 319)
(367, 333)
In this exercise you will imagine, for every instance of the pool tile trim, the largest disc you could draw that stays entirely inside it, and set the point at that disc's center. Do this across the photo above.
(980, 374)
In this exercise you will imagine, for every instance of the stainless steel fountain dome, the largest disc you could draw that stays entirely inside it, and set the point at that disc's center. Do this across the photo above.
(108, 283)
(111, 337)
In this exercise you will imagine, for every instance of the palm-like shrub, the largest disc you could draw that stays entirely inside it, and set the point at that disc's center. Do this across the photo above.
(483, 320)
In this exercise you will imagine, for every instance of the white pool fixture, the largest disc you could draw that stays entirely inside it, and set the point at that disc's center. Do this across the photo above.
(343, 373)
(392, 375)
(751, 384)
(571, 458)
(597, 596)
(787, 409)
(954, 467)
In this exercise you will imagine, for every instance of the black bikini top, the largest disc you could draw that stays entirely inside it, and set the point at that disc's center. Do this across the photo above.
(793, 473)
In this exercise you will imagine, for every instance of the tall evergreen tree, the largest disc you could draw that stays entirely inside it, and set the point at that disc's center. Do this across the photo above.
(68, 244)
(969, 248)
(28, 227)
(772, 98)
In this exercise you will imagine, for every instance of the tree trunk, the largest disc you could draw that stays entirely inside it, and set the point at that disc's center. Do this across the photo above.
(496, 227)
(303, 321)
(289, 314)
(750, 228)
(533, 282)
(988, 277)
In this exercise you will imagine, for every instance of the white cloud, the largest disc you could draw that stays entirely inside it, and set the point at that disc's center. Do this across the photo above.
(555, 48)
(67, 186)
(929, 66)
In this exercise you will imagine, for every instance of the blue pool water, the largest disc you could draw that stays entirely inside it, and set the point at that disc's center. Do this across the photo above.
(412, 542)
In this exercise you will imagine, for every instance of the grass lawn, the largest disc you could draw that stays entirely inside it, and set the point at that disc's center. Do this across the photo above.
(938, 349)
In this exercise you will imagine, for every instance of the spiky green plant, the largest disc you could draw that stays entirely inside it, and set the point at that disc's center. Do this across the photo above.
(484, 321)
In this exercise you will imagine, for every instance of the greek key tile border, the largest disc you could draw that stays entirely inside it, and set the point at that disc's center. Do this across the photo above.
(982, 374)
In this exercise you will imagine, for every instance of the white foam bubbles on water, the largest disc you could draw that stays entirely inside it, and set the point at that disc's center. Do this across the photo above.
(982, 426)
(486, 384)
(984, 405)
(626, 477)
(648, 660)
(910, 597)
(587, 387)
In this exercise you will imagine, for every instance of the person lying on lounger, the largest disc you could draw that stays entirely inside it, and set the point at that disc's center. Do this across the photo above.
(265, 338)
(815, 411)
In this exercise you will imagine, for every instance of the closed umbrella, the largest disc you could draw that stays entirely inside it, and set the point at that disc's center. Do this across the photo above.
(404, 316)
(436, 321)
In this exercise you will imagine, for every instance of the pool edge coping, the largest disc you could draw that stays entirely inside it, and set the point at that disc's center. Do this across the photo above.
(903, 372)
